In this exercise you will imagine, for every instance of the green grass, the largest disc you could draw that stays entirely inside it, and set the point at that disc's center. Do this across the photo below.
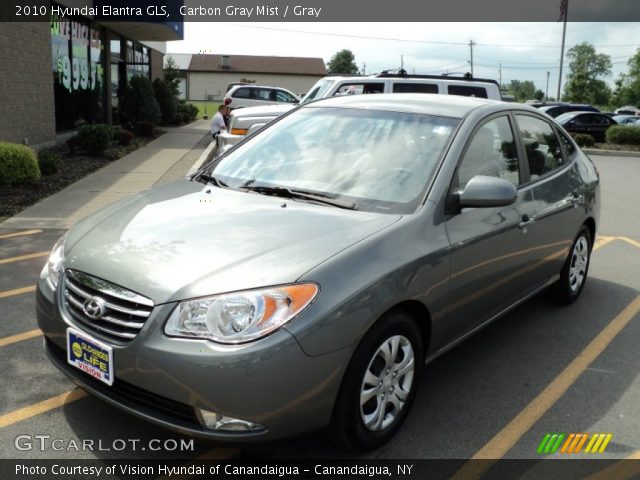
(212, 108)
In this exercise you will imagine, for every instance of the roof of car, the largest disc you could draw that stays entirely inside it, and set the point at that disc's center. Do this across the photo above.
(264, 110)
(577, 113)
(443, 105)
(253, 85)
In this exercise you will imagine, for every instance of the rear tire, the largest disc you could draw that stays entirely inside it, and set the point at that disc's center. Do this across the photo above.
(574, 272)
(380, 384)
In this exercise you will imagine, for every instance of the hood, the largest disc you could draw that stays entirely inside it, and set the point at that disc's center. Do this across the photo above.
(186, 240)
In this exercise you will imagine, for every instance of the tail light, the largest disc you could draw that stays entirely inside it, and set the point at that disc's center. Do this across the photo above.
(227, 101)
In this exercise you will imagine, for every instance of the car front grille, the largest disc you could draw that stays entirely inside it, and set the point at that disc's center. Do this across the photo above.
(105, 308)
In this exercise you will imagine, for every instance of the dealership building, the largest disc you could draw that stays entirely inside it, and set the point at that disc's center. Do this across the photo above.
(58, 74)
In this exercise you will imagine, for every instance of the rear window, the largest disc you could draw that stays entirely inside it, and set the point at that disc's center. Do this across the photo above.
(415, 88)
(467, 91)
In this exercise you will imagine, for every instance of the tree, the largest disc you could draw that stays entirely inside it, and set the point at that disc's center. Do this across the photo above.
(166, 101)
(342, 62)
(172, 76)
(522, 91)
(586, 69)
(627, 91)
(139, 103)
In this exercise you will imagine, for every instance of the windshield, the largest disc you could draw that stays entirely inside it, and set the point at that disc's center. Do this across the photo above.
(318, 90)
(565, 117)
(376, 160)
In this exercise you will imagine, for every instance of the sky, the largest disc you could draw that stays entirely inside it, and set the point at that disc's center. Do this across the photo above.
(506, 51)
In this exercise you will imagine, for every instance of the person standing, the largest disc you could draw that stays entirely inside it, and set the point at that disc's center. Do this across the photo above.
(217, 123)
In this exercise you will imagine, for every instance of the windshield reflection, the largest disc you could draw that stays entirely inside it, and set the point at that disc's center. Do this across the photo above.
(379, 159)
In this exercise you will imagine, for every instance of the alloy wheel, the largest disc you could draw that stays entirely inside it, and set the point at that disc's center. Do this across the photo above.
(387, 383)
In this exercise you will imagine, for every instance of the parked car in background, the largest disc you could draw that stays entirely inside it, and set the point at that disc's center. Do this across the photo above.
(242, 96)
(626, 119)
(590, 123)
(628, 110)
(305, 278)
(557, 110)
(401, 82)
(383, 83)
(540, 103)
(247, 120)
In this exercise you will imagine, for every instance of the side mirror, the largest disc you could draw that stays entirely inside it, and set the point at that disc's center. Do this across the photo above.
(482, 191)
(255, 127)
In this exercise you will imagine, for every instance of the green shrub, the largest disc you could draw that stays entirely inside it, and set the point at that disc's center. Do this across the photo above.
(49, 162)
(584, 139)
(18, 164)
(623, 135)
(179, 119)
(167, 102)
(73, 143)
(95, 139)
(139, 103)
(188, 111)
(145, 129)
(123, 137)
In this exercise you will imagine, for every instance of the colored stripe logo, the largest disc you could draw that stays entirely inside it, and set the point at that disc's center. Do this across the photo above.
(574, 443)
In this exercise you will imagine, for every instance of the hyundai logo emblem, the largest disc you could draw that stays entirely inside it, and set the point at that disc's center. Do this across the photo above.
(94, 308)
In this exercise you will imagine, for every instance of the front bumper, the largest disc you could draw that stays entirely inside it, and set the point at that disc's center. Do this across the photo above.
(271, 382)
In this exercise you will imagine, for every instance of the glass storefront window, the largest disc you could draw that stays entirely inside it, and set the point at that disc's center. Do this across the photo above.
(78, 72)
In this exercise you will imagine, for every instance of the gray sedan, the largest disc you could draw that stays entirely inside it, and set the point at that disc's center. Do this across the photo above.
(303, 279)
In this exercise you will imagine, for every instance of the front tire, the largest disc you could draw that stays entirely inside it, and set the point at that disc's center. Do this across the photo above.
(574, 272)
(380, 384)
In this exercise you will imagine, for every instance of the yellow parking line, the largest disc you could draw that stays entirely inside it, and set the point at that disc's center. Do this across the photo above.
(624, 469)
(20, 337)
(17, 291)
(601, 241)
(501, 443)
(20, 234)
(41, 407)
(630, 241)
(23, 257)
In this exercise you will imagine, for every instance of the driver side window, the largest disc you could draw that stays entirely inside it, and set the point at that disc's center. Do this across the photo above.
(491, 152)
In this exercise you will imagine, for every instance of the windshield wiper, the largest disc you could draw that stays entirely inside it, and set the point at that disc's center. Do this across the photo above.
(297, 194)
(212, 179)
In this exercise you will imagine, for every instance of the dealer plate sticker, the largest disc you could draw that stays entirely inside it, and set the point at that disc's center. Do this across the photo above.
(89, 355)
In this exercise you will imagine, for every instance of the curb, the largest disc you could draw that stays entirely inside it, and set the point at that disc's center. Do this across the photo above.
(614, 153)
(204, 158)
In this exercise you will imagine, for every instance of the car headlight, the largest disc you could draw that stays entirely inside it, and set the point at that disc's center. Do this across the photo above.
(241, 316)
(55, 262)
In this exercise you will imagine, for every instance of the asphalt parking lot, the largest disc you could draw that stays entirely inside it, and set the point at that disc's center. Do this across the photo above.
(540, 369)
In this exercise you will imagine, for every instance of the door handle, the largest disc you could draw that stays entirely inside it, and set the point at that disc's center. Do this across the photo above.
(525, 222)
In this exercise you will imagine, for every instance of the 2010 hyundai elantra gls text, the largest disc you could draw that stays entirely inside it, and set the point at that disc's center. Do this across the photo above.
(303, 279)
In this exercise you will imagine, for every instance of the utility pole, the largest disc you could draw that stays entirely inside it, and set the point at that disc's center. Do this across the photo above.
(364, 68)
(500, 74)
(401, 62)
(471, 44)
(564, 10)
(546, 92)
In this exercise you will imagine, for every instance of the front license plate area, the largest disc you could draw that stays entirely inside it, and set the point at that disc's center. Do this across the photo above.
(89, 355)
